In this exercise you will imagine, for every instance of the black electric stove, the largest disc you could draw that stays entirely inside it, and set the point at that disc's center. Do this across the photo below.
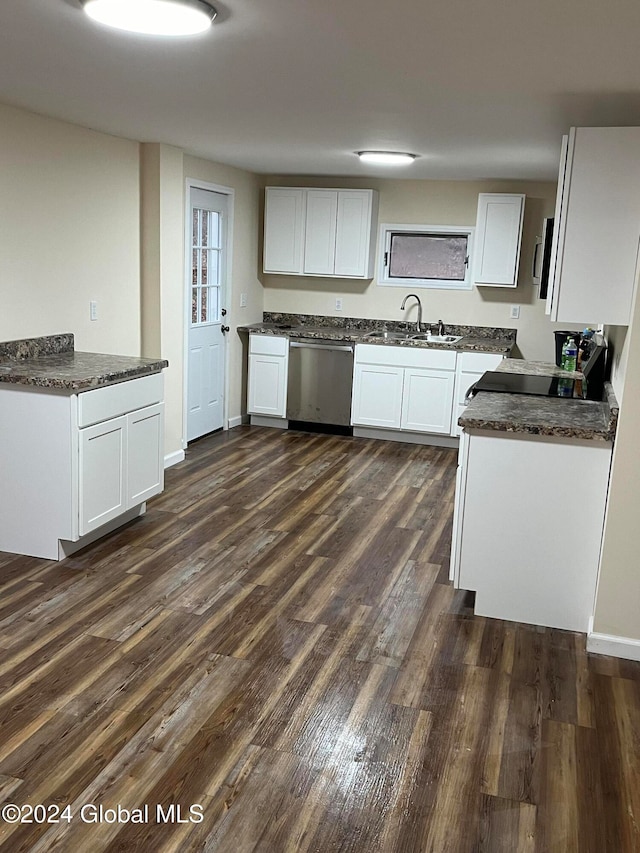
(520, 383)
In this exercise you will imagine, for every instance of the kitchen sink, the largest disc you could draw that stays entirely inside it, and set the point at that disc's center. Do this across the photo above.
(437, 339)
(389, 336)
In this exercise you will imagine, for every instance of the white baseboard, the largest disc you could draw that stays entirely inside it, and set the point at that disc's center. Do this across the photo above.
(261, 420)
(172, 459)
(617, 647)
(238, 421)
(405, 437)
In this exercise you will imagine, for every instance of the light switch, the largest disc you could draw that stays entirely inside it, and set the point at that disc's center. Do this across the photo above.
(93, 310)
(515, 312)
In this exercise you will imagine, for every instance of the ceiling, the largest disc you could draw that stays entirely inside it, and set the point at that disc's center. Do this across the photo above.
(479, 89)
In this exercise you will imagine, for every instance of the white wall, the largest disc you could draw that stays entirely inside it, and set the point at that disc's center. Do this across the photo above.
(70, 233)
(432, 203)
(245, 265)
(617, 611)
(163, 285)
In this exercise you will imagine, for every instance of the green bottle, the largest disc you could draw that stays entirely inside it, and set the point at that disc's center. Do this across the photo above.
(569, 359)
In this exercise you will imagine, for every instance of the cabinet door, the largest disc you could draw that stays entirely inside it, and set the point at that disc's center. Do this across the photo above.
(498, 237)
(353, 234)
(427, 400)
(320, 232)
(470, 367)
(557, 240)
(145, 454)
(103, 463)
(458, 511)
(599, 227)
(267, 393)
(377, 395)
(284, 229)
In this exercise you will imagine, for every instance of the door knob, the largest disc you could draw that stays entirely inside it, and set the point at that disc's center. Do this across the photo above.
(224, 329)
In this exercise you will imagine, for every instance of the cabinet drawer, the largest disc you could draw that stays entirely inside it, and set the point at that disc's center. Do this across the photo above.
(479, 362)
(268, 345)
(101, 404)
(438, 359)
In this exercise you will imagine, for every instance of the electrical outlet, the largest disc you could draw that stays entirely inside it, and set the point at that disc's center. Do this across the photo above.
(243, 300)
(338, 304)
(515, 312)
(93, 310)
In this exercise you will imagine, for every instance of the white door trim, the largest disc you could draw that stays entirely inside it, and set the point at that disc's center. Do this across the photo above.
(194, 183)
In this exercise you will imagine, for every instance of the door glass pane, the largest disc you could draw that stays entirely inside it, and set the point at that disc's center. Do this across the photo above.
(203, 305)
(438, 256)
(194, 267)
(214, 304)
(194, 305)
(215, 229)
(214, 268)
(205, 228)
(205, 270)
(196, 217)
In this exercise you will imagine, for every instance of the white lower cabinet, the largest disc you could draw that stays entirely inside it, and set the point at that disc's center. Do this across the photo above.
(426, 400)
(526, 537)
(103, 460)
(120, 465)
(377, 395)
(471, 366)
(403, 388)
(268, 370)
(79, 463)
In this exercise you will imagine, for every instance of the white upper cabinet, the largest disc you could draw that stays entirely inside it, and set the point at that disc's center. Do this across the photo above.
(337, 229)
(284, 230)
(498, 238)
(356, 226)
(597, 227)
(320, 232)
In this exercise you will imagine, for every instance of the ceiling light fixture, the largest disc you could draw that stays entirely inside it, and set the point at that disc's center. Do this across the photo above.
(386, 158)
(153, 17)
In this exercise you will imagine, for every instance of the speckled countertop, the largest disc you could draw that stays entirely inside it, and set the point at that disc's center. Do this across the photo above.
(355, 330)
(52, 362)
(547, 416)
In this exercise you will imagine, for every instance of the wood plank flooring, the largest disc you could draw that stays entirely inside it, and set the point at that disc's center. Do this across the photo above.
(276, 642)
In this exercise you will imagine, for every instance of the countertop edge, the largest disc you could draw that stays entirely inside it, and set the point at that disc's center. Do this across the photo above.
(466, 343)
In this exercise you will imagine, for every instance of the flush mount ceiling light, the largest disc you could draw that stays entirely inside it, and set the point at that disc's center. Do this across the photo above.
(386, 158)
(153, 17)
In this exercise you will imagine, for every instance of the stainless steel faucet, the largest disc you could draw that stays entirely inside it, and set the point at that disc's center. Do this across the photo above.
(417, 298)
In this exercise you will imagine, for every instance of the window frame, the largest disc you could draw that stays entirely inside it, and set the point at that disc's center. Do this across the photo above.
(384, 242)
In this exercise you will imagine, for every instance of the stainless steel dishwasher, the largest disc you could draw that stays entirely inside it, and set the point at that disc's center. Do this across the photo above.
(319, 384)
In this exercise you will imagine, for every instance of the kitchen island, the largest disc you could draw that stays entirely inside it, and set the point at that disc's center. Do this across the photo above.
(530, 502)
(81, 443)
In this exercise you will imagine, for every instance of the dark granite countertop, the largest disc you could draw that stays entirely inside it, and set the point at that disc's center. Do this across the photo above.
(546, 416)
(52, 362)
(356, 329)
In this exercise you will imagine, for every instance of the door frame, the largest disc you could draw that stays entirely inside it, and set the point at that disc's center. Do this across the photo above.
(229, 192)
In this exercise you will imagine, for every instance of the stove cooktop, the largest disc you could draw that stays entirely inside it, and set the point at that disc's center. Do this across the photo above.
(519, 383)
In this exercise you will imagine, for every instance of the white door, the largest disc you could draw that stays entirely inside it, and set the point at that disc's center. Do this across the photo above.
(206, 295)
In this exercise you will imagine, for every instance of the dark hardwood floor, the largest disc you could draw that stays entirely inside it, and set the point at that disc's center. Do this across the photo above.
(276, 641)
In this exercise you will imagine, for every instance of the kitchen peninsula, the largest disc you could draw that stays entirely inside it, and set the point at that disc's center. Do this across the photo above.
(81, 443)
(530, 500)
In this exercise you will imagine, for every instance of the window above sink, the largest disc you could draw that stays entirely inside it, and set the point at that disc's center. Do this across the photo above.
(430, 256)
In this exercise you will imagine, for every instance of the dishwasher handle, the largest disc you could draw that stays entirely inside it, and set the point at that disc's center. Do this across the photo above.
(331, 347)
